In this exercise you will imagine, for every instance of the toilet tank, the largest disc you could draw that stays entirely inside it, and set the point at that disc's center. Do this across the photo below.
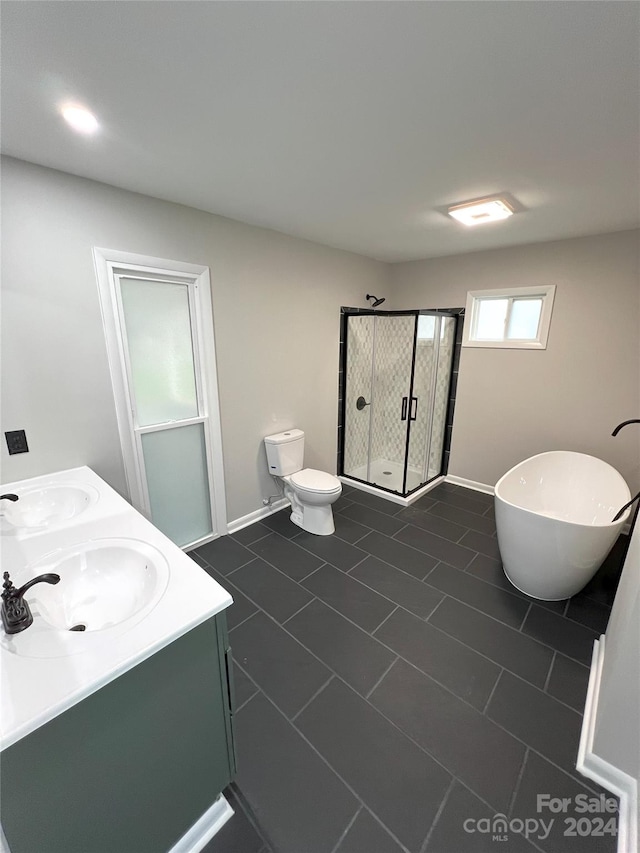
(285, 452)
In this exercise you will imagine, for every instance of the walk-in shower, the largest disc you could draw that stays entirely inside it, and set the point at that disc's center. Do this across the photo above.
(397, 371)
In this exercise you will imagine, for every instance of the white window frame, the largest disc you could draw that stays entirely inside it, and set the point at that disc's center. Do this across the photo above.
(110, 266)
(474, 297)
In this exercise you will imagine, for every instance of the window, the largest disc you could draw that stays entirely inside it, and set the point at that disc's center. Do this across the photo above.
(515, 318)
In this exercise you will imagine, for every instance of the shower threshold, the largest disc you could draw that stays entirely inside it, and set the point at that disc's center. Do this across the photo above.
(383, 475)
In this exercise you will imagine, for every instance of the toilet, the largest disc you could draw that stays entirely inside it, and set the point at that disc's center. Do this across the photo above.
(310, 492)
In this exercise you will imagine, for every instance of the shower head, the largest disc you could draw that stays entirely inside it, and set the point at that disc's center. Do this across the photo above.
(376, 301)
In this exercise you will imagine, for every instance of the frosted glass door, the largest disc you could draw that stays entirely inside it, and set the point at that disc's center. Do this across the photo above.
(169, 416)
(176, 464)
(158, 323)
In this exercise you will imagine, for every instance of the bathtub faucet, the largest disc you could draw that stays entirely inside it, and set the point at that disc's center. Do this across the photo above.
(633, 500)
(626, 506)
(624, 424)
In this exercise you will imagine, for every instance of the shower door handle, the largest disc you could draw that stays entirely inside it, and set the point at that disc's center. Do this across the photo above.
(405, 401)
(413, 414)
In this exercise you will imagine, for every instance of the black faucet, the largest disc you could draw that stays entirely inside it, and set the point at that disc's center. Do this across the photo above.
(633, 500)
(9, 497)
(624, 424)
(15, 612)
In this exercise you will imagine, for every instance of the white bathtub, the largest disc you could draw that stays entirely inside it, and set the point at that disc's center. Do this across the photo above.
(553, 517)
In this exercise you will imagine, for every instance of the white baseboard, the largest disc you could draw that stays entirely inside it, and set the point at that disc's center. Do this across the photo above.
(195, 838)
(203, 830)
(601, 771)
(250, 518)
(469, 484)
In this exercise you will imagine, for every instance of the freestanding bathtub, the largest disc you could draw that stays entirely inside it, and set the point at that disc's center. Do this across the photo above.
(554, 516)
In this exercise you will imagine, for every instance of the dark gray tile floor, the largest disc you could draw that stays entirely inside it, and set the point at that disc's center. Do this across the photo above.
(391, 684)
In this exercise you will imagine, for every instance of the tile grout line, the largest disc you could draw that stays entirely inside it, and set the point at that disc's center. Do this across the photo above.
(552, 649)
(388, 616)
(524, 618)
(428, 618)
(516, 787)
(382, 677)
(548, 678)
(246, 619)
(299, 610)
(312, 572)
(241, 706)
(325, 761)
(266, 533)
(441, 808)
(393, 536)
(391, 565)
(490, 697)
(336, 846)
(484, 613)
(291, 542)
(317, 693)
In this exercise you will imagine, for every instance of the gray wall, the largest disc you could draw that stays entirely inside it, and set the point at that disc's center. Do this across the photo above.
(276, 304)
(511, 404)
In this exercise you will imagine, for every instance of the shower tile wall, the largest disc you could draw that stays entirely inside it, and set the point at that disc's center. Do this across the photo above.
(393, 356)
(358, 383)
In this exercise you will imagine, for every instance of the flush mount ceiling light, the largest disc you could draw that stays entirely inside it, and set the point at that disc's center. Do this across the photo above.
(79, 118)
(483, 210)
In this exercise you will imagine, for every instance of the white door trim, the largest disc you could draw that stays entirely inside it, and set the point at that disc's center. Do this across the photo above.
(107, 263)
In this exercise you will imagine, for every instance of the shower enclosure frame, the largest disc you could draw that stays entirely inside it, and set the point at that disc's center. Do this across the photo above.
(457, 315)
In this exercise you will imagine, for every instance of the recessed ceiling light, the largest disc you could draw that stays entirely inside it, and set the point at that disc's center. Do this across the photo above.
(80, 119)
(480, 211)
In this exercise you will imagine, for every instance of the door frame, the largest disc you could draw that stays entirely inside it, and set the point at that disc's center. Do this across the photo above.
(109, 265)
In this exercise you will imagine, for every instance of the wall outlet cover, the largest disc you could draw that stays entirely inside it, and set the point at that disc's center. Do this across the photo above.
(17, 441)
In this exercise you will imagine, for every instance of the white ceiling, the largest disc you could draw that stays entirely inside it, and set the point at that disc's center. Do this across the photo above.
(349, 123)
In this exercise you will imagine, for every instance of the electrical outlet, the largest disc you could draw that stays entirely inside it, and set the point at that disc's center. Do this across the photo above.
(17, 441)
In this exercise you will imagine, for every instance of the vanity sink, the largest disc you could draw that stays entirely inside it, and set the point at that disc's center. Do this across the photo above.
(103, 583)
(47, 506)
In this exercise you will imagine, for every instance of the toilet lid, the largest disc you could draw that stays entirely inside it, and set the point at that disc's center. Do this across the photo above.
(315, 481)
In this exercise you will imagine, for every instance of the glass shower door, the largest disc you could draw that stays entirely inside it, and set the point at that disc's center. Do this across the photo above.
(358, 395)
(427, 343)
(444, 367)
(428, 411)
(392, 369)
(377, 386)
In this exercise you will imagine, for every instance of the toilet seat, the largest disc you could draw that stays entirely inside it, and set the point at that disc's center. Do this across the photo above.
(317, 482)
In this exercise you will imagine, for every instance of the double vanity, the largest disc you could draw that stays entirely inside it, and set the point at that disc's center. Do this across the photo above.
(116, 720)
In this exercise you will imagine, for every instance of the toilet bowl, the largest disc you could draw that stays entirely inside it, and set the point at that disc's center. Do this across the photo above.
(310, 492)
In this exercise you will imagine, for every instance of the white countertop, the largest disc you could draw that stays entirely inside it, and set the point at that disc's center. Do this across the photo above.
(34, 690)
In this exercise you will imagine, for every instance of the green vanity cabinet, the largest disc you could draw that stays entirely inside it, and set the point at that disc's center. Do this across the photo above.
(130, 768)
